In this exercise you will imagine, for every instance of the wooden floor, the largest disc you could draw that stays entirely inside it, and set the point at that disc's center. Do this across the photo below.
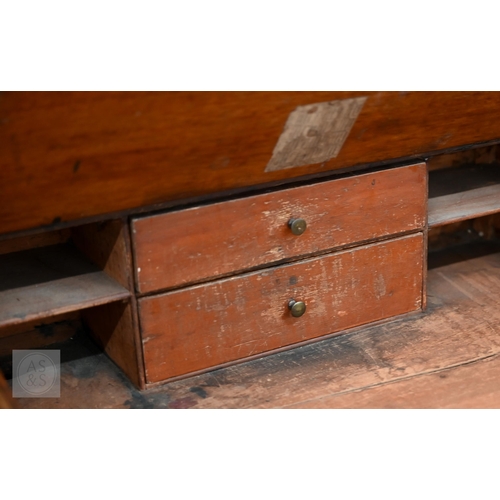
(447, 357)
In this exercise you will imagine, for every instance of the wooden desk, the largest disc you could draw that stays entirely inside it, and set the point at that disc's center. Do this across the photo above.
(82, 170)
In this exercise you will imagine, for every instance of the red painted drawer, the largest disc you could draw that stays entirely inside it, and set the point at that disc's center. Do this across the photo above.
(197, 244)
(203, 326)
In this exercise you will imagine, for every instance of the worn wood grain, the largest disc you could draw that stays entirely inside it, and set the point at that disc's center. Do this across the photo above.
(471, 385)
(206, 325)
(465, 205)
(73, 155)
(196, 244)
(49, 281)
(465, 186)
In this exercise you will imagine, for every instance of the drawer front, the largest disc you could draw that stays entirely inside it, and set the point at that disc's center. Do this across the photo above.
(210, 324)
(196, 244)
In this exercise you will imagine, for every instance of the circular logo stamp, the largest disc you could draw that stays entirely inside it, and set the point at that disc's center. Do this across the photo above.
(36, 373)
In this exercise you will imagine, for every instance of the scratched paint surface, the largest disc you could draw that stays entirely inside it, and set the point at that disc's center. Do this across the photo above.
(315, 133)
(446, 357)
(187, 246)
(207, 325)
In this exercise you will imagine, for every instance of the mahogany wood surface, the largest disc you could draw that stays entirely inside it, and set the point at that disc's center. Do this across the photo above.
(192, 245)
(206, 325)
(74, 155)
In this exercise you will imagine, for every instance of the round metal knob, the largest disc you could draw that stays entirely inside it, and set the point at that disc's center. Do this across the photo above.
(298, 226)
(297, 308)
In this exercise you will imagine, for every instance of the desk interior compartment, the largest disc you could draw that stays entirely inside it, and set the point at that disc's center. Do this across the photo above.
(464, 186)
(54, 282)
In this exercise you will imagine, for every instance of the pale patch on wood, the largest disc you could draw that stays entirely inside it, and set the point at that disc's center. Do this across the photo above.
(380, 289)
(315, 133)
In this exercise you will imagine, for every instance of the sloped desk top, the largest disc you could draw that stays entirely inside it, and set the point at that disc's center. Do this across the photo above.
(82, 156)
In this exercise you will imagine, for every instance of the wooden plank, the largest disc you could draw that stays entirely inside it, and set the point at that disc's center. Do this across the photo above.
(200, 243)
(206, 325)
(473, 385)
(48, 281)
(5, 394)
(73, 155)
(458, 192)
(465, 205)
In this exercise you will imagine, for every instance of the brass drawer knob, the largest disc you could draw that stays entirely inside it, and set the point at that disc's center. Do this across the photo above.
(298, 226)
(297, 308)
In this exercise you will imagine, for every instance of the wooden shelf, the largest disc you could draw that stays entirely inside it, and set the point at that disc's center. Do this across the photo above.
(44, 282)
(458, 194)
